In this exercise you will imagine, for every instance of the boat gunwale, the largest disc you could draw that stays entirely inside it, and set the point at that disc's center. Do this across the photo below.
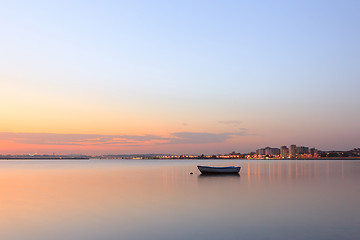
(231, 167)
(219, 170)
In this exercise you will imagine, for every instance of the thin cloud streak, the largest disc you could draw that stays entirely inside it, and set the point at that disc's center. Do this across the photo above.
(121, 140)
(76, 139)
(230, 122)
(203, 138)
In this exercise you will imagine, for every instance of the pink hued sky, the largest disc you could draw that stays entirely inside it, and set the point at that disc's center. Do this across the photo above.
(184, 77)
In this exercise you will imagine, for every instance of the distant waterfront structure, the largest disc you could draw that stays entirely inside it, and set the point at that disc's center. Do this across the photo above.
(292, 151)
(284, 152)
(314, 152)
(260, 151)
(268, 151)
(272, 151)
(302, 150)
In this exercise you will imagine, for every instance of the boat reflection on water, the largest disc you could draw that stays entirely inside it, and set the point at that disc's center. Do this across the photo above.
(219, 175)
(214, 183)
(219, 179)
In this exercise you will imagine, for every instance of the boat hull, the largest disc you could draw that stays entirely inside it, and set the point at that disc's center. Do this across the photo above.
(218, 170)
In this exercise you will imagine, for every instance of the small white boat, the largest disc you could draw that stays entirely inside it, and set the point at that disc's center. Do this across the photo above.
(219, 170)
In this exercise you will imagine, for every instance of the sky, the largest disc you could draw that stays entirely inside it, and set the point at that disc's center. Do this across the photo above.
(180, 77)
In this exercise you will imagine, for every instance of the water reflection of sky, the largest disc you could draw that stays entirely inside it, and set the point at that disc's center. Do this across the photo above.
(161, 200)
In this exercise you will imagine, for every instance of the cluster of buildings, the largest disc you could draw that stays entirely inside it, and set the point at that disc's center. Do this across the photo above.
(284, 152)
(292, 151)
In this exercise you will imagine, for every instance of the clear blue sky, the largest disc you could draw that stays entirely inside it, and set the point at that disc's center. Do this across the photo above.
(258, 72)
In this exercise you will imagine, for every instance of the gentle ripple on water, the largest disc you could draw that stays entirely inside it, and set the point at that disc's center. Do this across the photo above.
(159, 199)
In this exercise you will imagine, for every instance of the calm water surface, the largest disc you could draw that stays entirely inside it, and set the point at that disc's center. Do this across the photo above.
(157, 199)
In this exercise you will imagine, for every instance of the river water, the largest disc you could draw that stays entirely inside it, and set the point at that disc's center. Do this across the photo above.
(160, 199)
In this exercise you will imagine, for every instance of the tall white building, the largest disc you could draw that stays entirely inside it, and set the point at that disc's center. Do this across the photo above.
(292, 151)
(284, 152)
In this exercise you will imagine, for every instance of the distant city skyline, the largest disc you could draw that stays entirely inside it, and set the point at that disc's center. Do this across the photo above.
(178, 77)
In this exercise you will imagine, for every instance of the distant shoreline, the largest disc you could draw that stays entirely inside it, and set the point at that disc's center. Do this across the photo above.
(324, 158)
(234, 159)
(42, 158)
